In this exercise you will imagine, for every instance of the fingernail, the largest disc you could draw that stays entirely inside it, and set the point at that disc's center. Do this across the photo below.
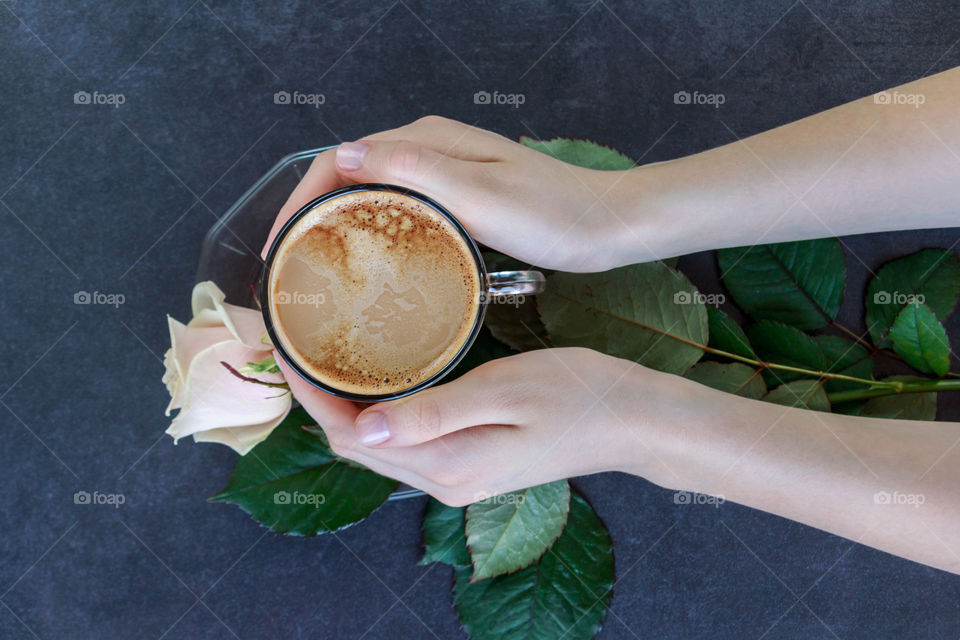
(350, 155)
(372, 428)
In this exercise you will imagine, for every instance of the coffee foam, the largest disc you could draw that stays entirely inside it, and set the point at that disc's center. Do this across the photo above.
(373, 292)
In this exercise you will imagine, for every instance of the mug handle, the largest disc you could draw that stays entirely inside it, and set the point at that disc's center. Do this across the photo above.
(515, 283)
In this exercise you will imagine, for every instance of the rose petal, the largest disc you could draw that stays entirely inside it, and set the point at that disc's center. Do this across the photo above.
(172, 380)
(240, 439)
(207, 318)
(246, 325)
(206, 295)
(213, 398)
(187, 341)
(215, 405)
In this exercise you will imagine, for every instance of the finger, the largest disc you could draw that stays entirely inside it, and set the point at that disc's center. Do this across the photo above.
(450, 137)
(336, 417)
(332, 413)
(409, 164)
(321, 177)
(479, 397)
(445, 468)
(442, 135)
(454, 467)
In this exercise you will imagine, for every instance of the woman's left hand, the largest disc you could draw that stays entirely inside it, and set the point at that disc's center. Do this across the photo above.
(508, 424)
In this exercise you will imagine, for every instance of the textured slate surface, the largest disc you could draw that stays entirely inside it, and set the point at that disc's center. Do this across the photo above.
(117, 200)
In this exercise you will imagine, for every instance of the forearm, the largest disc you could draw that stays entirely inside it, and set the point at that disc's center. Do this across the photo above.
(861, 167)
(889, 484)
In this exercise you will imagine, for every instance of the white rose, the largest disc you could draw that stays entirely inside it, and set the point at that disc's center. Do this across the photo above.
(215, 405)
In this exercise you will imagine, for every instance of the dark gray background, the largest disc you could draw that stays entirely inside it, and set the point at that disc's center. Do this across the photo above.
(117, 201)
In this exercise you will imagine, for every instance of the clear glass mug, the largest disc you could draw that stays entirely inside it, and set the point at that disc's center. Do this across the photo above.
(493, 285)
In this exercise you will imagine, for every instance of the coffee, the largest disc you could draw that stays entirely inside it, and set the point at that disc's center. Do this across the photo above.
(373, 292)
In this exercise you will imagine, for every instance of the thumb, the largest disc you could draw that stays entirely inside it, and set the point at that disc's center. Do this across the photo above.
(435, 412)
(407, 164)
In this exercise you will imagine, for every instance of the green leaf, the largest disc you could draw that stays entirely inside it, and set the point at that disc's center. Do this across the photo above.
(292, 483)
(920, 339)
(736, 378)
(443, 535)
(644, 312)
(786, 345)
(798, 283)
(930, 276)
(517, 325)
(783, 344)
(903, 406)
(317, 432)
(267, 365)
(582, 153)
(845, 357)
(726, 335)
(850, 408)
(806, 394)
(510, 531)
(564, 595)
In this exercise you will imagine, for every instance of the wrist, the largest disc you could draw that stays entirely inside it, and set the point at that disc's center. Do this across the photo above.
(688, 436)
(654, 214)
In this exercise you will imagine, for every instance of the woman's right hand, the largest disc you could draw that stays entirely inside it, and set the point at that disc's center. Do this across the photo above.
(511, 198)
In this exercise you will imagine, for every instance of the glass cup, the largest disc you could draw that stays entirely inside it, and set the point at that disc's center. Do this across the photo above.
(493, 285)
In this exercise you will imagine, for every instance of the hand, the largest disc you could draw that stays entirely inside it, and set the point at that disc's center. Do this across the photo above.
(509, 197)
(511, 423)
